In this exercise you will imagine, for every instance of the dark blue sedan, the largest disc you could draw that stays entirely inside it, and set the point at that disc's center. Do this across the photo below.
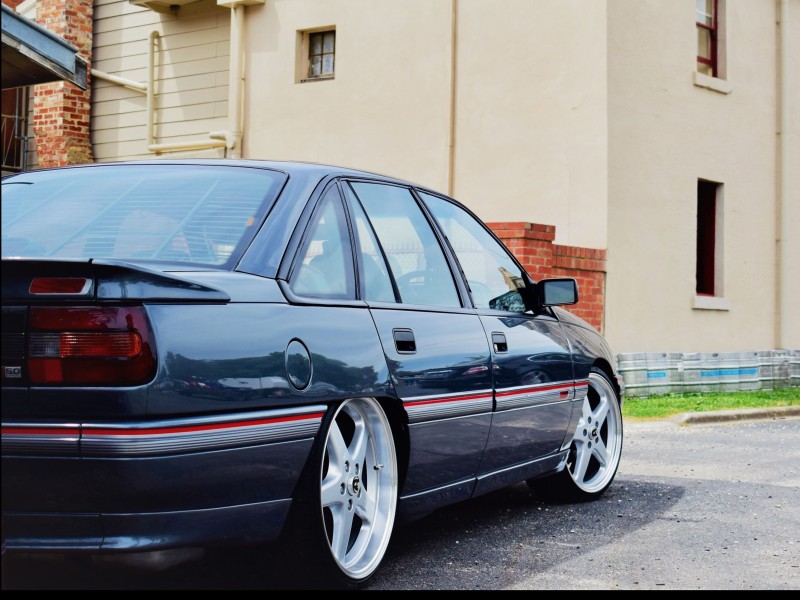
(198, 353)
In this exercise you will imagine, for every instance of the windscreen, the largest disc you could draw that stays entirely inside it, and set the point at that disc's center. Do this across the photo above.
(186, 213)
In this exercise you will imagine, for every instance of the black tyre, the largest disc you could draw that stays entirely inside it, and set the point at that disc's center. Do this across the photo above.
(344, 512)
(596, 447)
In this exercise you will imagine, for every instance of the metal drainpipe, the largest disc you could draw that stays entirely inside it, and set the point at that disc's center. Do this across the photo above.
(783, 204)
(451, 154)
(151, 86)
(128, 83)
(236, 81)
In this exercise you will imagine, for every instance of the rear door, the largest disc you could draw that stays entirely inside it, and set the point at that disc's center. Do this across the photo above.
(436, 349)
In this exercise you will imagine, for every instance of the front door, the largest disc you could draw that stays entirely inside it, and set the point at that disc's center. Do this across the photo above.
(531, 360)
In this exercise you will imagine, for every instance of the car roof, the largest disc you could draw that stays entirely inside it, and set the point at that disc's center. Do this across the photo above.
(290, 167)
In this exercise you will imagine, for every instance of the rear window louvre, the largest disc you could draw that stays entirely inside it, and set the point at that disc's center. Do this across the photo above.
(153, 212)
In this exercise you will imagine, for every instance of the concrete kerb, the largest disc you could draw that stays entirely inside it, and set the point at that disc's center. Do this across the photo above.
(749, 414)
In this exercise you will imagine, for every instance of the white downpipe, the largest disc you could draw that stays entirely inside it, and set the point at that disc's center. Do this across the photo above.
(236, 81)
(128, 83)
(784, 302)
(151, 87)
(451, 142)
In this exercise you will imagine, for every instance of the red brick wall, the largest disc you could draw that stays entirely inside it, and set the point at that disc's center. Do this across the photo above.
(61, 110)
(533, 246)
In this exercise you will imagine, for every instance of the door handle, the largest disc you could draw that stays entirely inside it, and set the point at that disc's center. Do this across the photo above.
(404, 341)
(499, 343)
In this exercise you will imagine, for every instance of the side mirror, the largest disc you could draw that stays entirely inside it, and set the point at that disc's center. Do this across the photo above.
(557, 292)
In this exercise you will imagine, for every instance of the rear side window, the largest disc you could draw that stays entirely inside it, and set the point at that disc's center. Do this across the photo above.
(183, 213)
(326, 267)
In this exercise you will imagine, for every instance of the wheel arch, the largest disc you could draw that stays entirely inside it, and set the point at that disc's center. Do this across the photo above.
(605, 367)
(398, 420)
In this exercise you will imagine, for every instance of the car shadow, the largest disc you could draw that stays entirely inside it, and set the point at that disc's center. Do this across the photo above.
(495, 541)
(490, 542)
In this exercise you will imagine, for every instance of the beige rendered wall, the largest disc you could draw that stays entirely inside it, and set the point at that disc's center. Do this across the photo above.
(191, 77)
(387, 108)
(531, 134)
(665, 132)
(529, 116)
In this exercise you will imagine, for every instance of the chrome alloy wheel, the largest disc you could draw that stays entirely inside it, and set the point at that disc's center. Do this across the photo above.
(359, 486)
(597, 444)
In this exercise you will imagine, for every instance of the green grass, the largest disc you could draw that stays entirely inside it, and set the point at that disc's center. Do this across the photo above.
(659, 407)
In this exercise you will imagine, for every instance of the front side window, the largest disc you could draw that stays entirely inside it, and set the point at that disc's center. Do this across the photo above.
(493, 277)
(415, 258)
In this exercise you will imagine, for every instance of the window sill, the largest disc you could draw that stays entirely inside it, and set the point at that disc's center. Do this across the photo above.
(712, 83)
(322, 78)
(711, 303)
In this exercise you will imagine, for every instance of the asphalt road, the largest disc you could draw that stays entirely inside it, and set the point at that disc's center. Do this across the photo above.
(702, 506)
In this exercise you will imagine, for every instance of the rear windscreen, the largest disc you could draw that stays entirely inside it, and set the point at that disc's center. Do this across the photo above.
(187, 213)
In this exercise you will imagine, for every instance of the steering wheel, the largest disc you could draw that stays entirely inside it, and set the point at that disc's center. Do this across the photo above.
(408, 278)
(413, 283)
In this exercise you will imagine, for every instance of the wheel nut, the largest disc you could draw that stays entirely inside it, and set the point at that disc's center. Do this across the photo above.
(341, 489)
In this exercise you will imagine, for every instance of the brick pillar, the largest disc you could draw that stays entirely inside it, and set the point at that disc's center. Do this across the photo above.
(531, 243)
(533, 246)
(588, 267)
(60, 109)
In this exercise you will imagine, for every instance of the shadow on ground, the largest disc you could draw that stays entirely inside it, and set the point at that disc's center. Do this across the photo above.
(490, 542)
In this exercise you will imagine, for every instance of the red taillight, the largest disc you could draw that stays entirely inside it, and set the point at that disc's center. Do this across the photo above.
(59, 285)
(90, 346)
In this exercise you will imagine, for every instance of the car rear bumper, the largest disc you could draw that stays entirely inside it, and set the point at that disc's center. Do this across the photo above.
(142, 486)
(37, 532)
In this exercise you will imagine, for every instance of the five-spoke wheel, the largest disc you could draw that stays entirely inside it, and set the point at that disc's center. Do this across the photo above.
(595, 450)
(358, 486)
